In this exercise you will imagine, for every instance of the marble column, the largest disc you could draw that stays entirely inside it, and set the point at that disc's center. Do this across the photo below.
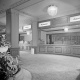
(34, 35)
(12, 31)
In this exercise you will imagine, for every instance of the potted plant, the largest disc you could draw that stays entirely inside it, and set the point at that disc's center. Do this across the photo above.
(8, 66)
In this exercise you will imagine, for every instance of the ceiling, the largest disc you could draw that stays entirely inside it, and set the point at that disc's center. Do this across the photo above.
(30, 10)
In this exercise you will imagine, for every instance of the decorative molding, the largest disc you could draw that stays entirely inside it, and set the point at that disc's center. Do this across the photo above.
(42, 49)
(58, 49)
(18, 3)
(14, 5)
(76, 50)
(62, 31)
(67, 50)
(50, 49)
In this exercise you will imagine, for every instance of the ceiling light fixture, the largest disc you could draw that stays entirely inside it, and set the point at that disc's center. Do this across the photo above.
(52, 10)
(66, 29)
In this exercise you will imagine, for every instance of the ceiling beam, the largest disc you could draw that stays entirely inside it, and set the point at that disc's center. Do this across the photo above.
(14, 5)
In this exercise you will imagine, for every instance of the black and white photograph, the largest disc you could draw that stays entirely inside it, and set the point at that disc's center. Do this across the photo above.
(39, 39)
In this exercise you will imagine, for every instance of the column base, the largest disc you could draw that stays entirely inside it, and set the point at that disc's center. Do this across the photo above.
(14, 52)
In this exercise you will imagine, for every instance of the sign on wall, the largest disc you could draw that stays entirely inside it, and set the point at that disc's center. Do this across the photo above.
(26, 27)
(43, 24)
(75, 18)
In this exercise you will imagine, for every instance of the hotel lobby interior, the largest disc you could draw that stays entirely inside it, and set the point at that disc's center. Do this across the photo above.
(43, 37)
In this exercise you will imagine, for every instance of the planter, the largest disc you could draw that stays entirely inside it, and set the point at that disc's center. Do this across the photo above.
(23, 75)
(11, 78)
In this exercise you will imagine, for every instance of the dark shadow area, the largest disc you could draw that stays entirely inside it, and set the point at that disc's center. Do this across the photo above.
(78, 77)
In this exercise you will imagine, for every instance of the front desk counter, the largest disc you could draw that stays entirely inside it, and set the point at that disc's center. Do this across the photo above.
(64, 49)
(25, 47)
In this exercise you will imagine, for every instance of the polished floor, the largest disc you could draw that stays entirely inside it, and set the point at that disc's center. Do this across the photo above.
(51, 67)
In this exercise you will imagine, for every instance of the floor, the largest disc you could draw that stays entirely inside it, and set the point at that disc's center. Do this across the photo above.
(51, 67)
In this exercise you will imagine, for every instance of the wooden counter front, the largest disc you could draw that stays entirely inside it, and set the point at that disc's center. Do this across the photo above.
(59, 49)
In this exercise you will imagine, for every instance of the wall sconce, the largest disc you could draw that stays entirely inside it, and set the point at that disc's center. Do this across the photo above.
(52, 10)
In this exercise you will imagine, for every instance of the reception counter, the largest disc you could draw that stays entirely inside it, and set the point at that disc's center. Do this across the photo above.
(24, 47)
(59, 49)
